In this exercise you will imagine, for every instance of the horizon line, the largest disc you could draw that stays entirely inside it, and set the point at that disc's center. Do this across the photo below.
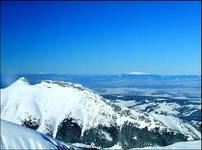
(90, 74)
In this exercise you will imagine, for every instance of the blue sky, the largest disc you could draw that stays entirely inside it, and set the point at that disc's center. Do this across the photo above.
(100, 37)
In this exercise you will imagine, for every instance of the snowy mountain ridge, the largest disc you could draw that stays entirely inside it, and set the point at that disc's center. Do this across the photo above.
(58, 103)
(69, 111)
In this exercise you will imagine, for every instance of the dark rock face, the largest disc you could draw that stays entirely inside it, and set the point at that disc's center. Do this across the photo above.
(101, 136)
(31, 122)
(132, 137)
(69, 131)
(128, 135)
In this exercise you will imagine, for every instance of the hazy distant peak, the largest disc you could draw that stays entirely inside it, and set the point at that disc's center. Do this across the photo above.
(137, 73)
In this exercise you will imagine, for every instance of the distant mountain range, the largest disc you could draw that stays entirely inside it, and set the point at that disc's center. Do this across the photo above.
(136, 79)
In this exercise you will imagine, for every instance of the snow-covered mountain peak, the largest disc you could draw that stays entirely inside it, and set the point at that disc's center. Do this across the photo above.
(53, 101)
(73, 113)
(20, 82)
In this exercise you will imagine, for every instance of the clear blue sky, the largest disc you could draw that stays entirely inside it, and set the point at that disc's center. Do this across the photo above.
(100, 37)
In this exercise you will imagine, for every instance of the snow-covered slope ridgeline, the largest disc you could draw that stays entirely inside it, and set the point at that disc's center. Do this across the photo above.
(75, 114)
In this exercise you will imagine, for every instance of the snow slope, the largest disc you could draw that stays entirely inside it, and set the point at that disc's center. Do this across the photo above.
(177, 124)
(14, 136)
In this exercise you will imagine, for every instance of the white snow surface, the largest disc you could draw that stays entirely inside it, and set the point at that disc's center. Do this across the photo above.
(14, 136)
(115, 147)
(128, 103)
(50, 102)
(178, 125)
(167, 108)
